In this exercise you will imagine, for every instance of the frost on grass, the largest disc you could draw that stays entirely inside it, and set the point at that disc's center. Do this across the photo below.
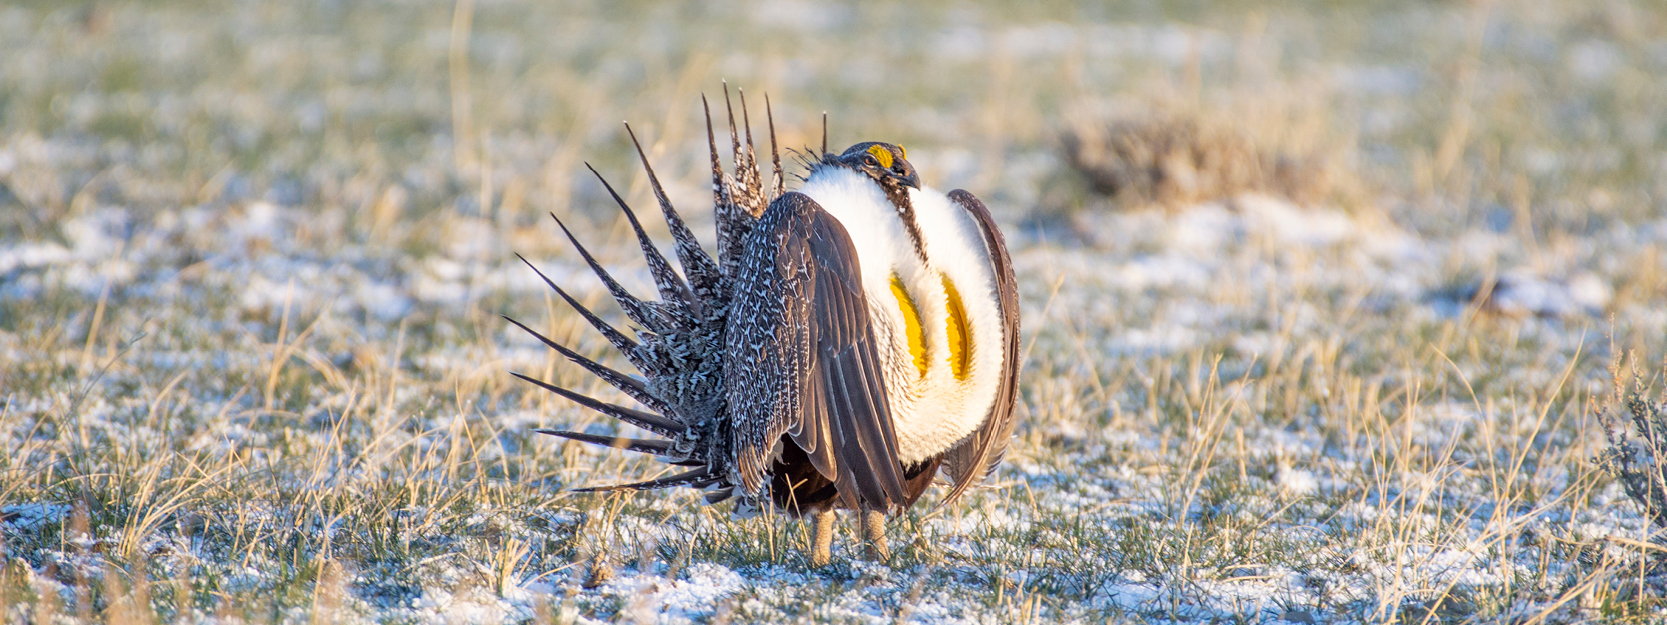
(1191, 450)
(251, 368)
(1637, 453)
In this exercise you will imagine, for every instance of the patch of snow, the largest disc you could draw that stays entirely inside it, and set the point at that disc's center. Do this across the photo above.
(802, 15)
(30, 255)
(1590, 291)
(385, 302)
(686, 600)
(1293, 225)
(29, 515)
(1378, 80)
(1523, 293)
(1594, 60)
(1297, 482)
(470, 606)
(261, 220)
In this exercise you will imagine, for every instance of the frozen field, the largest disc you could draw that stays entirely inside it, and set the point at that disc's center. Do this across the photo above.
(253, 257)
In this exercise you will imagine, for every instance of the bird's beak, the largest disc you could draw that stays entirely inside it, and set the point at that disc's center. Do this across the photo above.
(912, 180)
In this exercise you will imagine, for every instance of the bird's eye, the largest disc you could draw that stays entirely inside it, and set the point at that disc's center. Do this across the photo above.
(869, 161)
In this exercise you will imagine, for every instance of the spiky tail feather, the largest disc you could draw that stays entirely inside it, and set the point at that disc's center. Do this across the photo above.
(680, 353)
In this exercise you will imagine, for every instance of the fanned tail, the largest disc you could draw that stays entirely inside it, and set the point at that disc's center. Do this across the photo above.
(627, 384)
(698, 478)
(740, 199)
(640, 312)
(639, 445)
(673, 289)
(645, 420)
(732, 224)
(618, 339)
(680, 337)
(697, 265)
(778, 182)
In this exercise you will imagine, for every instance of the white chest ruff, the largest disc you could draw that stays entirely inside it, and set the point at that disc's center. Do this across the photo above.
(935, 406)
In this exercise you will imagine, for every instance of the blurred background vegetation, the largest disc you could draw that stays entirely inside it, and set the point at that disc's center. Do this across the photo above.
(1446, 115)
(252, 254)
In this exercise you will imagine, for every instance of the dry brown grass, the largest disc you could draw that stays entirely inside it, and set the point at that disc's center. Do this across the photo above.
(175, 423)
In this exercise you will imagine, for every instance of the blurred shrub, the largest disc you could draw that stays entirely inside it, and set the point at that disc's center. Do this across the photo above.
(1175, 159)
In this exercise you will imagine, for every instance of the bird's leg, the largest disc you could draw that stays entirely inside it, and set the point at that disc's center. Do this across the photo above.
(821, 546)
(874, 531)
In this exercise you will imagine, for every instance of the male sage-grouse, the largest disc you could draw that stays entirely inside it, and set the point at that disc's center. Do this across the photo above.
(850, 340)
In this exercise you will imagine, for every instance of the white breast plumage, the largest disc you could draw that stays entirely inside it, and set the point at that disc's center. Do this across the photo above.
(941, 394)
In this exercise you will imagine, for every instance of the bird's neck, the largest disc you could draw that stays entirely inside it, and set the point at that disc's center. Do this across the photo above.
(897, 197)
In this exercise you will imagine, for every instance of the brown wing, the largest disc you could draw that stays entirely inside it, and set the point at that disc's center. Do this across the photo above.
(977, 456)
(803, 359)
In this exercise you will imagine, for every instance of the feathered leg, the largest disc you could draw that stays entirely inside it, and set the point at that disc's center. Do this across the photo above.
(874, 531)
(821, 545)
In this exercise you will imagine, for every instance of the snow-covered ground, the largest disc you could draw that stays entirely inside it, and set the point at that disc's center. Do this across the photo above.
(1235, 360)
(252, 365)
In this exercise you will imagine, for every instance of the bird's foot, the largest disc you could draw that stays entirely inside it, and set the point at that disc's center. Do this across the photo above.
(874, 531)
(821, 546)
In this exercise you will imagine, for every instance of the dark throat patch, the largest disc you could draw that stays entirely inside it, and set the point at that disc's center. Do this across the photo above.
(895, 192)
(899, 196)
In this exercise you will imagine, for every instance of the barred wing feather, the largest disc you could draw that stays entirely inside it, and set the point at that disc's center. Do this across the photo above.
(803, 359)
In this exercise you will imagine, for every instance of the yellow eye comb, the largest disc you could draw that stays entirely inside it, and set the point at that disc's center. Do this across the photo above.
(881, 154)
